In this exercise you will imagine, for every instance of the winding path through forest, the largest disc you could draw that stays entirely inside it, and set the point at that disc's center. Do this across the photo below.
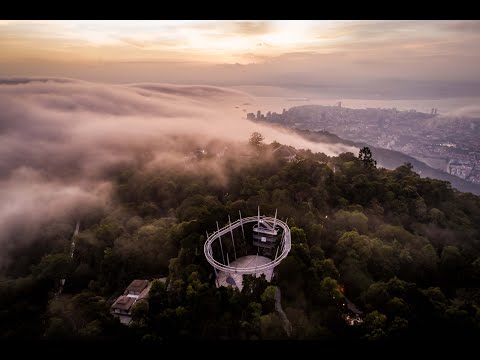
(278, 308)
(72, 249)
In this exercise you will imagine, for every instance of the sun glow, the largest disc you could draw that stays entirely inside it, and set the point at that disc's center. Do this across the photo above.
(209, 50)
(208, 41)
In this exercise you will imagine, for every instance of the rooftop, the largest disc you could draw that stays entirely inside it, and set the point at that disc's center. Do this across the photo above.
(123, 303)
(265, 227)
(137, 286)
(284, 151)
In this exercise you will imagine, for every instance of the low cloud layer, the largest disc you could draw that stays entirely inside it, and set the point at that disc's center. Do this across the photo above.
(467, 111)
(59, 138)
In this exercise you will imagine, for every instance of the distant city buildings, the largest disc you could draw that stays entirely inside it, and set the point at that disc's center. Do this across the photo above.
(462, 170)
(446, 143)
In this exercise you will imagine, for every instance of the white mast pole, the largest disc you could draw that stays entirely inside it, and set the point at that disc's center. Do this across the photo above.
(258, 221)
(231, 233)
(241, 223)
(275, 220)
(221, 247)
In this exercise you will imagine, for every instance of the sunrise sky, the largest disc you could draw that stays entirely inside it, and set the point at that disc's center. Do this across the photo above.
(274, 53)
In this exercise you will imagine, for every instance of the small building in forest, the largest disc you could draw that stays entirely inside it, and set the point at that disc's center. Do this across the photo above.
(285, 152)
(124, 304)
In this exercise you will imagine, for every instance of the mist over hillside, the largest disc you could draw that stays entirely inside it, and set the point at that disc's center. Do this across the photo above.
(60, 140)
(396, 137)
(391, 159)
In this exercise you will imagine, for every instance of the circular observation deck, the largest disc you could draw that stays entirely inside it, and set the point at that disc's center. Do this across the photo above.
(284, 245)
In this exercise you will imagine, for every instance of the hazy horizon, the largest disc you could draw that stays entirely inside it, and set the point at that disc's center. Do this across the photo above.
(352, 59)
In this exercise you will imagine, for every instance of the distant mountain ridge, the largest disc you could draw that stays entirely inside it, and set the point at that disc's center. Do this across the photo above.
(389, 159)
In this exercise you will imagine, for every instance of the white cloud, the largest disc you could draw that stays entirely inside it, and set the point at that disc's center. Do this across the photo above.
(59, 138)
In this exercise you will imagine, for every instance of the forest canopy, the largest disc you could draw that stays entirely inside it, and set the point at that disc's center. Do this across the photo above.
(401, 250)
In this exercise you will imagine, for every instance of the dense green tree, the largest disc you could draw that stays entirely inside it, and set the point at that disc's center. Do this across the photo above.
(271, 327)
(355, 220)
(268, 298)
(375, 326)
(53, 267)
(365, 155)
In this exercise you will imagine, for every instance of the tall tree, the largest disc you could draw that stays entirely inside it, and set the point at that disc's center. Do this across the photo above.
(365, 155)
(256, 139)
